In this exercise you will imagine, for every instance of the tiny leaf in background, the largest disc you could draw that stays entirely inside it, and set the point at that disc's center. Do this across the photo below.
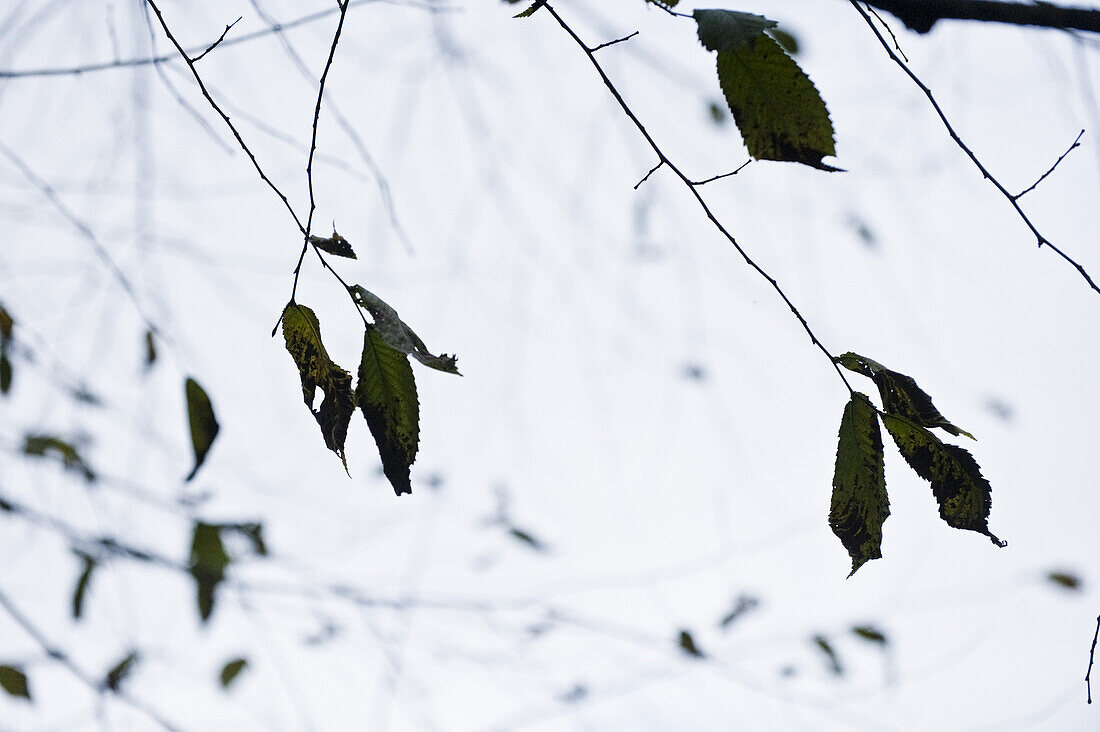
(204, 426)
(870, 634)
(822, 643)
(208, 562)
(231, 670)
(59, 449)
(859, 503)
(688, 646)
(120, 671)
(81, 590)
(150, 349)
(1065, 580)
(14, 682)
(386, 393)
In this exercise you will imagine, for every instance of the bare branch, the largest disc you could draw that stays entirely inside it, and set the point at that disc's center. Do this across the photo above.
(1092, 655)
(612, 43)
(1042, 240)
(215, 44)
(921, 15)
(1033, 186)
(664, 160)
(723, 175)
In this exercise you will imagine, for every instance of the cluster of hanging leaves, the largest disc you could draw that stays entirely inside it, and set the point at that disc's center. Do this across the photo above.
(776, 107)
(859, 503)
(386, 388)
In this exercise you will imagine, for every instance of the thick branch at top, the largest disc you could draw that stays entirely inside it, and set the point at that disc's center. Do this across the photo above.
(921, 15)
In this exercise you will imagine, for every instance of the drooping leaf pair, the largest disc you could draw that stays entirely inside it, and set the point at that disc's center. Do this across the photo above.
(859, 503)
(386, 389)
(210, 558)
(777, 108)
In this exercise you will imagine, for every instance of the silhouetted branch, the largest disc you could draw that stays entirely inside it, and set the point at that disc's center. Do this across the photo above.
(921, 15)
(1092, 656)
(1033, 186)
(215, 44)
(1042, 240)
(723, 175)
(87, 679)
(692, 187)
(612, 43)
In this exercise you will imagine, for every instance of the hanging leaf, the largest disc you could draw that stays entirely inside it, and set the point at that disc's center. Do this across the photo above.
(14, 681)
(302, 333)
(831, 656)
(204, 426)
(82, 584)
(5, 372)
(721, 30)
(118, 673)
(231, 670)
(870, 634)
(900, 393)
(399, 336)
(335, 245)
(386, 393)
(1065, 580)
(150, 349)
(859, 504)
(531, 10)
(66, 452)
(777, 108)
(964, 496)
(526, 538)
(687, 645)
(664, 3)
(744, 604)
(208, 562)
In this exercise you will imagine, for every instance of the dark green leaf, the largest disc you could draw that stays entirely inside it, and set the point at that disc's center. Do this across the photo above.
(900, 394)
(14, 681)
(859, 504)
(1066, 580)
(687, 645)
(302, 333)
(231, 670)
(7, 326)
(5, 372)
(777, 108)
(66, 452)
(150, 349)
(399, 336)
(664, 3)
(114, 678)
(531, 10)
(204, 426)
(82, 585)
(526, 538)
(386, 393)
(785, 40)
(208, 562)
(335, 245)
(717, 113)
(831, 657)
(870, 634)
(964, 496)
(721, 30)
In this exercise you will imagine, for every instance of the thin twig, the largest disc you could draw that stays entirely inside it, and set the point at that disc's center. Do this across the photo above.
(127, 63)
(1042, 240)
(612, 43)
(693, 189)
(1092, 655)
(723, 175)
(651, 171)
(63, 658)
(224, 116)
(1033, 186)
(86, 231)
(888, 30)
(215, 44)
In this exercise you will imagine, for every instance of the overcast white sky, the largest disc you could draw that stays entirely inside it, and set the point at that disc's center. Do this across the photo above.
(634, 396)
